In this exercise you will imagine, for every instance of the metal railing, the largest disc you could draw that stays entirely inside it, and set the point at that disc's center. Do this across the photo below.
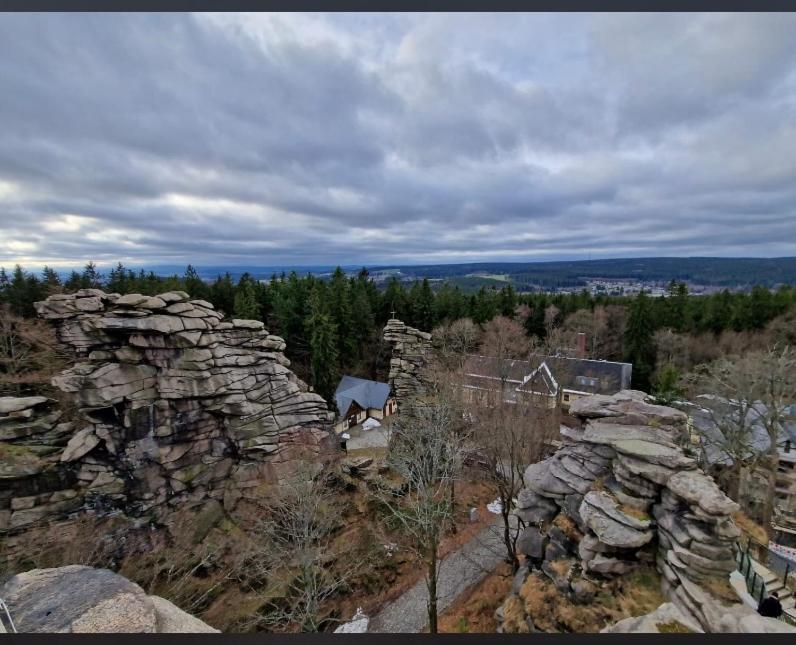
(755, 583)
(770, 559)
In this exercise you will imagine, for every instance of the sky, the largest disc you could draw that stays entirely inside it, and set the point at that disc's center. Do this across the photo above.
(310, 139)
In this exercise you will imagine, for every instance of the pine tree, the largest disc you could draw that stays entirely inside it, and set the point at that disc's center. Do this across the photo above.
(508, 301)
(118, 281)
(534, 324)
(395, 300)
(245, 303)
(422, 302)
(51, 281)
(194, 285)
(323, 349)
(91, 278)
(73, 282)
(222, 293)
(341, 315)
(5, 283)
(639, 346)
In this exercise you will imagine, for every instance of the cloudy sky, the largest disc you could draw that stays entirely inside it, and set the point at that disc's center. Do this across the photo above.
(315, 139)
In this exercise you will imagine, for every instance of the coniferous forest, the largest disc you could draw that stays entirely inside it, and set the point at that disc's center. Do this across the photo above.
(332, 326)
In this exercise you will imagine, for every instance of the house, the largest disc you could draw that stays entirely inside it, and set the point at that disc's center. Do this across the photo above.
(543, 378)
(358, 399)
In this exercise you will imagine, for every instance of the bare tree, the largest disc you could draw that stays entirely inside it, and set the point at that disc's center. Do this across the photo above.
(776, 374)
(510, 435)
(504, 339)
(455, 340)
(426, 451)
(726, 396)
(295, 557)
(744, 392)
(29, 352)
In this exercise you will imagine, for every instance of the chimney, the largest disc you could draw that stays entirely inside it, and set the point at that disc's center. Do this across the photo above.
(581, 347)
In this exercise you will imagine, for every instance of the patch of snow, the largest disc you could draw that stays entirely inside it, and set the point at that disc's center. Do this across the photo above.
(357, 625)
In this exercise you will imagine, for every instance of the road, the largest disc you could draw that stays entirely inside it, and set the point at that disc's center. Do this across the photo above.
(458, 572)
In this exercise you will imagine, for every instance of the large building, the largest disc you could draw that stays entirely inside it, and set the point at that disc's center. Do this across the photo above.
(358, 399)
(546, 379)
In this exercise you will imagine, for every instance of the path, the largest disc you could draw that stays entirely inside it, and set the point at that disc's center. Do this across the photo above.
(458, 572)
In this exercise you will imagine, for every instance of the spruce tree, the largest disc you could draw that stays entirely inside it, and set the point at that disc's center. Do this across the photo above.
(222, 293)
(245, 303)
(91, 278)
(194, 285)
(639, 346)
(341, 315)
(323, 348)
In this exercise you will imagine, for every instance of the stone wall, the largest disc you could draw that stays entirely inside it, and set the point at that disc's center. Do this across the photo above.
(175, 405)
(636, 499)
(410, 354)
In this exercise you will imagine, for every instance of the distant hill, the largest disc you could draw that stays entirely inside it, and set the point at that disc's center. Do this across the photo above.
(720, 272)
(734, 273)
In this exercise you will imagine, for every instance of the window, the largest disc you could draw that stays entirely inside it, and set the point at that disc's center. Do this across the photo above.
(566, 397)
(588, 381)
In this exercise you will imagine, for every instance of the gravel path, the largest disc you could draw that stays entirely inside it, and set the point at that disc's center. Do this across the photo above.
(458, 572)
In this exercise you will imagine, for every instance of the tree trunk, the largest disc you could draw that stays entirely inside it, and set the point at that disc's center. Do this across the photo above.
(432, 590)
(511, 551)
(454, 529)
(768, 502)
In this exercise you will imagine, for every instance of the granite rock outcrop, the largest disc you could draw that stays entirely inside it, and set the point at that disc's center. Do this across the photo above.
(632, 496)
(411, 349)
(175, 405)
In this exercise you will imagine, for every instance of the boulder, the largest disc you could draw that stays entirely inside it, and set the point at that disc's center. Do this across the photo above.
(78, 599)
(539, 478)
(601, 517)
(10, 404)
(532, 543)
(608, 566)
(81, 443)
(583, 591)
(698, 489)
(170, 619)
(667, 618)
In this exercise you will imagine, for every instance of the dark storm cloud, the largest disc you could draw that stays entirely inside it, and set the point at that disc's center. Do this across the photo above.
(375, 138)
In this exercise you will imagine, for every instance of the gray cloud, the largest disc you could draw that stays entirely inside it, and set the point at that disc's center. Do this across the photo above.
(296, 139)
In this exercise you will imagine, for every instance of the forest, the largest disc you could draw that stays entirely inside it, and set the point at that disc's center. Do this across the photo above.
(333, 325)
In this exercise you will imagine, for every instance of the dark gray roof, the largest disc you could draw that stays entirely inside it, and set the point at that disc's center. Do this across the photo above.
(579, 374)
(367, 394)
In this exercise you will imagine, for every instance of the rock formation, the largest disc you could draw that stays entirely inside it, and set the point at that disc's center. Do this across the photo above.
(635, 497)
(77, 599)
(175, 405)
(410, 353)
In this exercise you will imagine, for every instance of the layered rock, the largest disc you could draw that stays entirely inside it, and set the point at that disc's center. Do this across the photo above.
(175, 405)
(636, 497)
(410, 354)
(78, 599)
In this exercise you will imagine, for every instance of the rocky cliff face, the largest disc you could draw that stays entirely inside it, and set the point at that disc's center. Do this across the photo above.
(635, 499)
(175, 405)
(410, 353)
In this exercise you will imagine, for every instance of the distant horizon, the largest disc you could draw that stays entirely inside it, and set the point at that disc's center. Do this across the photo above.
(166, 269)
(237, 268)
